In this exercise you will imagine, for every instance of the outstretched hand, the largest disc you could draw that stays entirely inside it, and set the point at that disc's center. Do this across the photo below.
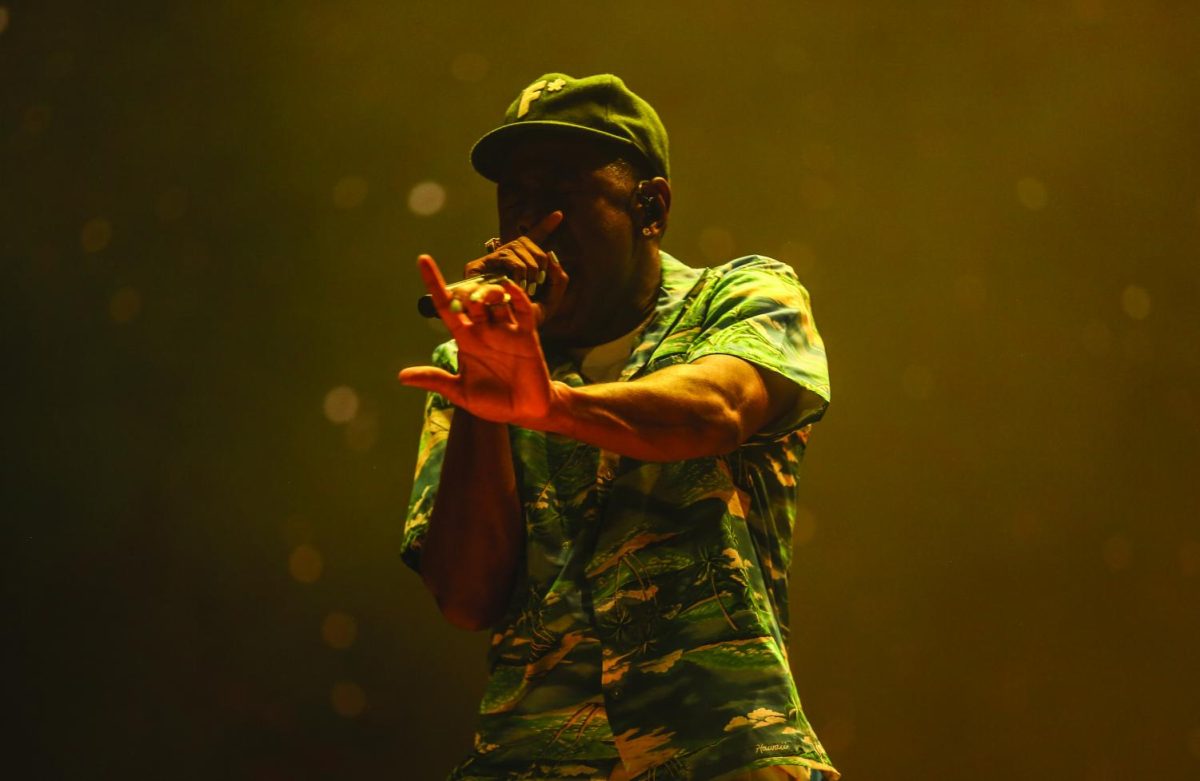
(502, 374)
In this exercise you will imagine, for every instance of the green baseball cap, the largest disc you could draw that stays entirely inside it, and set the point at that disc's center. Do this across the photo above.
(594, 106)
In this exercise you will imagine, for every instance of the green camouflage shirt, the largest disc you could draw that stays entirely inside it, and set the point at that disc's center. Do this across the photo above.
(650, 622)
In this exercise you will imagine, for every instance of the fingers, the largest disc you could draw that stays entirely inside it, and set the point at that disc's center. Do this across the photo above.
(555, 287)
(443, 301)
(433, 379)
(547, 225)
(522, 308)
(490, 303)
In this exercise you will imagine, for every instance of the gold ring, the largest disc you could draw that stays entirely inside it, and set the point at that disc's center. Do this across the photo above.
(492, 244)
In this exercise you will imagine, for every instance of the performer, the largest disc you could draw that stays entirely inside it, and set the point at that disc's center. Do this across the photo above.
(608, 466)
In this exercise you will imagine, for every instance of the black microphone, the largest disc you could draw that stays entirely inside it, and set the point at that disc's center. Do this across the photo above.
(425, 303)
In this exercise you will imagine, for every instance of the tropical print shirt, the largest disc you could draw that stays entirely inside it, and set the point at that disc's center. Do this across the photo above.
(649, 626)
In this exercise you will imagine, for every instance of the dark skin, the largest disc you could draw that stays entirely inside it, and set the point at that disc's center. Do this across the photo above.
(567, 199)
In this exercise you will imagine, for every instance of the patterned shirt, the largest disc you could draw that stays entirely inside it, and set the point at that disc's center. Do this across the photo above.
(649, 622)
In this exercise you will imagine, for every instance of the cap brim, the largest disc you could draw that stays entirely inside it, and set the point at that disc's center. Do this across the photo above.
(490, 153)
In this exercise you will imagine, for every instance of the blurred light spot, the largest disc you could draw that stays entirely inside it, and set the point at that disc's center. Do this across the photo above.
(427, 198)
(3, 18)
(818, 157)
(338, 630)
(716, 244)
(1091, 11)
(1117, 553)
(306, 563)
(1031, 193)
(1096, 337)
(970, 292)
(1193, 742)
(816, 192)
(1189, 559)
(350, 192)
(469, 66)
(348, 699)
(799, 256)
(362, 432)
(1027, 526)
(805, 527)
(917, 381)
(124, 305)
(1136, 302)
(790, 58)
(341, 404)
(96, 234)
(172, 204)
(36, 119)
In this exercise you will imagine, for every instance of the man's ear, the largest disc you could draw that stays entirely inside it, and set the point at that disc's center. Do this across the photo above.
(654, 200)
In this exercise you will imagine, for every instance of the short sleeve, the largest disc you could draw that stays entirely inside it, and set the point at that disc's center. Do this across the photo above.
(430, 452)
(758, 311)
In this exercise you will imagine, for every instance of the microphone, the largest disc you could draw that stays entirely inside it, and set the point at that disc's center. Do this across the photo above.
(425, 303)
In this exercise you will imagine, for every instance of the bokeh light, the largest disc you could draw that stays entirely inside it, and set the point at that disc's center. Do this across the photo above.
(125, 305)
(350, 192)
(426, 198)
(3, 18)
(96, 234)
(1135, 301)
(1031, 193)
(305, 564)
(348, 699)
(341, 404)
(338, 630)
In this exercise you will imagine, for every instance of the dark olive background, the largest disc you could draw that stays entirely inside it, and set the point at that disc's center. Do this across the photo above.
(206, 229)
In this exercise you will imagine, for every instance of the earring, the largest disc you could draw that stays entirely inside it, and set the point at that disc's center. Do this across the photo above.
(648, 230)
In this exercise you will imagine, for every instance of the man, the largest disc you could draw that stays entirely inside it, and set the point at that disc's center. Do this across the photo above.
(607, 471)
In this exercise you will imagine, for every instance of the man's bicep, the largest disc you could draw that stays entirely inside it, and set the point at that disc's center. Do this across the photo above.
(758, 397)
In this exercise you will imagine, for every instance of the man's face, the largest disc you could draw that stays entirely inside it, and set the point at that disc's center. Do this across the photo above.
(595, 242)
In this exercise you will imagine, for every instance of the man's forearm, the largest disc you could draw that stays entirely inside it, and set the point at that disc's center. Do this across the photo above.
(470, 552)
(667, 416)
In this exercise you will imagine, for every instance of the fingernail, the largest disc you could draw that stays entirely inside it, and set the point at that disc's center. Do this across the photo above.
(554, 258)
(541, 276)
(532, 289)
(456, 306)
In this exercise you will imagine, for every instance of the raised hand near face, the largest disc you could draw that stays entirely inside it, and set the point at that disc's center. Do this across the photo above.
(502, 374)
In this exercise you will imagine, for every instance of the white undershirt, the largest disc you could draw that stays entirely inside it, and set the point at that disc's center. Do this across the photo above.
(604, 362)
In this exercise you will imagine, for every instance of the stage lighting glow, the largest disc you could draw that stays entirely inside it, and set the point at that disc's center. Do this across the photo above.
(1031, 193)
(350, 192)
(338, 630)
(96, 234)
(1135, 301)
(306, 564)
(427, 198)
(348, 699)
(341, 404)
(3, 18)
(125, 305)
